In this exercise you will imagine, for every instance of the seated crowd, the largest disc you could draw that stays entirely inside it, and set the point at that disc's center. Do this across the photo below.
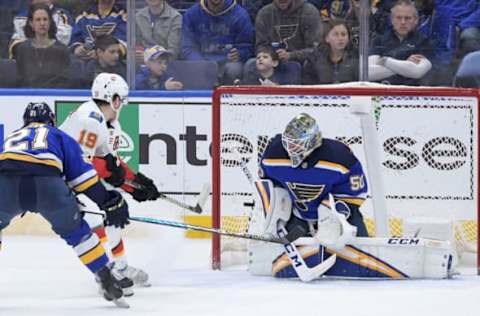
(65, 44)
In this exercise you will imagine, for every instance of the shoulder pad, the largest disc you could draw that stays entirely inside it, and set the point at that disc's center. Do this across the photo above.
(96, 116)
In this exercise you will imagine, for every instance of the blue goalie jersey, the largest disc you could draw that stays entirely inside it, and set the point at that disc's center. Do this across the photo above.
(330, 168)
(43, 150)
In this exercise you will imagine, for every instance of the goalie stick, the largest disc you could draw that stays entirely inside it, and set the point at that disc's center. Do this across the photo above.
(305, 273)
(156, 221)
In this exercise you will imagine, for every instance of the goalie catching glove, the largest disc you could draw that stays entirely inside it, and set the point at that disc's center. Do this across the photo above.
(117, 173)
(116, 210)
(333, 230)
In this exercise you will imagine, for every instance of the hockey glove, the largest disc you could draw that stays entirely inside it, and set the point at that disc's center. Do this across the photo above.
(142, 188)
(110, 169)
(116, 210)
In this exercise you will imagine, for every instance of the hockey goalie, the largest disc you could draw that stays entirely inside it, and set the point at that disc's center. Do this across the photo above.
(310, 192)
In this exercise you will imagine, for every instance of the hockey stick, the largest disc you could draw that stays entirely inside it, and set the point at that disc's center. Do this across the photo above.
(198, 208)
(208, 230)
(304, 273)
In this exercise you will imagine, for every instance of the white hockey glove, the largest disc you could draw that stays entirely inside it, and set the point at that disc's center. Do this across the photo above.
(333, 229)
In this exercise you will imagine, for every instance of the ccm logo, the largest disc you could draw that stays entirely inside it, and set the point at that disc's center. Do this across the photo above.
(403, 241)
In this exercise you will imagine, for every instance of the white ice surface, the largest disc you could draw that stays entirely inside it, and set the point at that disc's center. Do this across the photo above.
(42, 276)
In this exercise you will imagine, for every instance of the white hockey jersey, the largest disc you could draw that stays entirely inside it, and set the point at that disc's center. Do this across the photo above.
(96, 136)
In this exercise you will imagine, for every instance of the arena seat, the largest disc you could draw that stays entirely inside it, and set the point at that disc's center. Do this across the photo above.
(195, 75)
(8, 73)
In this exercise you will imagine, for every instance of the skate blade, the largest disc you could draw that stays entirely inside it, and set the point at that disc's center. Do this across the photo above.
(120, 302)
(145, 284)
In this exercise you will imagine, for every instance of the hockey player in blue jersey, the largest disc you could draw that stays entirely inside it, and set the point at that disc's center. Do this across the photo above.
(310, 193)
(40, 166)
(306, 170)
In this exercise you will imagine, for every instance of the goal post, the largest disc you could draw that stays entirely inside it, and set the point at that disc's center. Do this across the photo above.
(427, 149)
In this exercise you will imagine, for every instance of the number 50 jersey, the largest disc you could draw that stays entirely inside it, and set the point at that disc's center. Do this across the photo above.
(330, 168)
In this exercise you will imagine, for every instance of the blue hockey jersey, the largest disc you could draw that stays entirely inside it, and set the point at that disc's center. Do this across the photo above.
(330, 168)
(43, 150)
(92, 23)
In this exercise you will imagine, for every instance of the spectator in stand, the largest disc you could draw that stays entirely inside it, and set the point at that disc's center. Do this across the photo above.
(221, 31)
(456, 27)
(106, 18)
(107, 50)
(154, 74)
(292, 23)
(63, 20)
(253, 6)
(348, 10)
(401, 55)
(335, 60)
(42, 60)
(269, 70)
(158, 24)
(8, 10)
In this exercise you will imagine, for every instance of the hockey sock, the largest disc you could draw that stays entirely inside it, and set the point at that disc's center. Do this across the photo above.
(100, 232)
(87, 246)
(116, 245)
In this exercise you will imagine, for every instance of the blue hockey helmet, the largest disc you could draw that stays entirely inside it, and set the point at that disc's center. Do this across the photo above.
(301, 136)
(38, 112)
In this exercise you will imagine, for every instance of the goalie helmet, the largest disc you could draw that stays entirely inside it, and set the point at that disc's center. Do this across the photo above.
(301, 137)
(38, 112)
(106, 86)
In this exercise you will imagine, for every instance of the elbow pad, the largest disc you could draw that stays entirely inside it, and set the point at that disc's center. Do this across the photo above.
(110, 169)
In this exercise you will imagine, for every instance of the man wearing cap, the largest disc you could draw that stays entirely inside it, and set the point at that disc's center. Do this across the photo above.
(154, 74)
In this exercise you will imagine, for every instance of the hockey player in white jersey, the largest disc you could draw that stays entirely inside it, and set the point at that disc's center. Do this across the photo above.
(96, 128)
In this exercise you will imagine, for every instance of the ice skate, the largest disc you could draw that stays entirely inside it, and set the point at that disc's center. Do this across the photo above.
(138, 276)
(110, 287)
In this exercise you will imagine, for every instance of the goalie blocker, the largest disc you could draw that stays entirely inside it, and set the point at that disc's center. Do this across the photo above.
(362, 258)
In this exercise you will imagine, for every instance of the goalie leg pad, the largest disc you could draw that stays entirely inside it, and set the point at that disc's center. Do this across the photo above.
(276, 205)
(395, 258)
(312, 256)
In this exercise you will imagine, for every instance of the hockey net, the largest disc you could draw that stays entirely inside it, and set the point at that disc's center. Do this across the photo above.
(429, 152)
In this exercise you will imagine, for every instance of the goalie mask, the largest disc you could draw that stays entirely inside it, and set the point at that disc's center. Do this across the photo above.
(301, 137)
(107, 86)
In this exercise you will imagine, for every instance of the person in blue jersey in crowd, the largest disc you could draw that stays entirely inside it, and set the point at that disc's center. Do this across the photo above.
(106, 18)
(40, 169)
(306, 168)
(220, 31)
